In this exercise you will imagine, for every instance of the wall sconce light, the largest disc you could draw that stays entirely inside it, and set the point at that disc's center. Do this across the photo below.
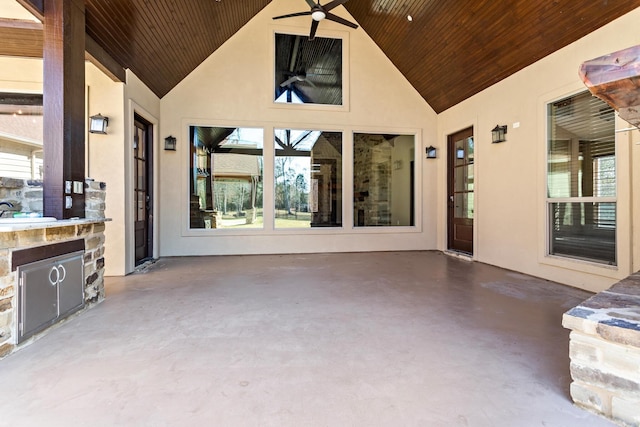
(432, 152)
(98, 124)
(170, 143)
(498, 134)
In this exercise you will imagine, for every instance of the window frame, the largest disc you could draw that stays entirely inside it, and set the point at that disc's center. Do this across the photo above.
(304, 31)
(560, 259)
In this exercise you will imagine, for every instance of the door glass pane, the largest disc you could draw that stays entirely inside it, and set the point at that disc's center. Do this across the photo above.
(463, 205)
(141, 184)
(470, 150)
(141, 208)
(460, 153)
(460, 182)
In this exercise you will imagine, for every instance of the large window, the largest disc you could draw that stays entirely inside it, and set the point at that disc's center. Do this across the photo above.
(21, 135)
(308, 178)
(581, 179)
(226, 177)
(383, 180)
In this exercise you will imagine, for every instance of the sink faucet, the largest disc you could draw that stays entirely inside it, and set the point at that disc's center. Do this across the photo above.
(7, 204)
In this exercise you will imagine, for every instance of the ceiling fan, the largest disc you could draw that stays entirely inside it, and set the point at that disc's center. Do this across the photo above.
(319, 12)
(302, 76)
(299, 76)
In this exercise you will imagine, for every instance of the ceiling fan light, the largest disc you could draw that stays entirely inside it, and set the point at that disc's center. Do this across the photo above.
(318, 15)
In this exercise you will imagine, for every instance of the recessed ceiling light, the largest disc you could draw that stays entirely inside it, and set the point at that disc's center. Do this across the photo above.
(409, 18)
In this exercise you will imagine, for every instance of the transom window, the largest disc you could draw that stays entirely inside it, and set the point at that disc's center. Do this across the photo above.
(308, 72)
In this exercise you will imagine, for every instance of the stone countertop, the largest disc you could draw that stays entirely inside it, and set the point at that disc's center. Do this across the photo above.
(613, 314)
(13, 227)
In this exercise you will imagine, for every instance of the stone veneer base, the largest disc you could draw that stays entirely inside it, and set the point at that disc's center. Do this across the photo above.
(605, 352)
(93, 234)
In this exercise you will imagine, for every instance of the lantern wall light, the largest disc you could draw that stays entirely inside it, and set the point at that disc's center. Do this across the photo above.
(170, 143)
(432, 152)
(498, 134)
(98, 124)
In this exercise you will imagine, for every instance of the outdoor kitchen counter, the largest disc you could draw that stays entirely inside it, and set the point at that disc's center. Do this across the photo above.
(25, 224)
(605, 352)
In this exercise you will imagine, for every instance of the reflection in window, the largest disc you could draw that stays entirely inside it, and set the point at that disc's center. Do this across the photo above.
(21, 134)
(308, 178)
(581, 179)
(383, 180)
(226, 177)
(308, 72)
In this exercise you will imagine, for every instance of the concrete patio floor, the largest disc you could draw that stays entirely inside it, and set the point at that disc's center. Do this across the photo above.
(365, 339)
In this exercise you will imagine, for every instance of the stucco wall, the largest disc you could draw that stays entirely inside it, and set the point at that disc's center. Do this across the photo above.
(510, 224)
(105, 160)
(234, 87)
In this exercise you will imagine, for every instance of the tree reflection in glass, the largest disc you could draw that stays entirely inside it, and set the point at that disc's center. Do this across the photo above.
(226, 177)
(308, 178)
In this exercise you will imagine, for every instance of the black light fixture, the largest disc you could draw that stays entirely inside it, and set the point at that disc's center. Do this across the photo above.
(432, 152)
(98, 124)
(498, 134)
(170, 143)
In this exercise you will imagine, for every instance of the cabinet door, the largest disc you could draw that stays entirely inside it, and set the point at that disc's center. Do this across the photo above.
(39, 299)
(71, 285)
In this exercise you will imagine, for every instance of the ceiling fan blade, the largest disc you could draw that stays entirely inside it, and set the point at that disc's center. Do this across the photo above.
(314, 27)
(289, 81)
(292, 15)
(311, 3)
(335, 18)
(335, 3)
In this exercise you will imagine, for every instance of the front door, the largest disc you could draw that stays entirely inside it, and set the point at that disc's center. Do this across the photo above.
(460, 191)
(143, 189)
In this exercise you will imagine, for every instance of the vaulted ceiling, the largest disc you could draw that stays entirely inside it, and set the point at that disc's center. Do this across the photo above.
(449, 50)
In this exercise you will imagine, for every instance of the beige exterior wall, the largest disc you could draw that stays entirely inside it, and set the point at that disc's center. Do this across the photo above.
(21, 74)
(510, 223)
(234, 87)
(105, 161)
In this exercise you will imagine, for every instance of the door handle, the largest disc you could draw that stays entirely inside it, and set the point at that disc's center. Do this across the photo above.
(60, 274)
(451, 198)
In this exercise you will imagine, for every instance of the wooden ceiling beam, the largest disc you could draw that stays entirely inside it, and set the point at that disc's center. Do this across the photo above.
(101, 59)
(23, 38)
(20, 38)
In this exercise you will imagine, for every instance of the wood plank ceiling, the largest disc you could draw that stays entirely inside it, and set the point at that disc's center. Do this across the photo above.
(449, 51)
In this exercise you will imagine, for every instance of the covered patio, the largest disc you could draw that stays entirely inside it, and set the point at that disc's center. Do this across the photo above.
(386, 339)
